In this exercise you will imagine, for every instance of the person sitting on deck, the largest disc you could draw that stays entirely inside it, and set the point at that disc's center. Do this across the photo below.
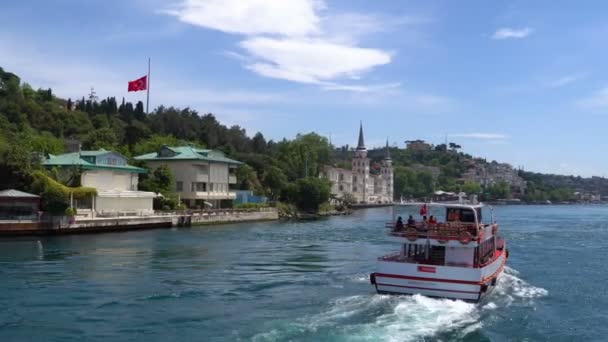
(432, 220)
(453, 216)
(399, 224)
(410, 221)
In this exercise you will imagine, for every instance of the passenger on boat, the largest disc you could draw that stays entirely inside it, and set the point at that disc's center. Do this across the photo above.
(453, 216)
(432, 220)
(410, 221)
(399, 224)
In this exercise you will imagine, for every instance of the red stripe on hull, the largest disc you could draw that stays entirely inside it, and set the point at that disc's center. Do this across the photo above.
(430, 289)
(441, 280)
(397, 276)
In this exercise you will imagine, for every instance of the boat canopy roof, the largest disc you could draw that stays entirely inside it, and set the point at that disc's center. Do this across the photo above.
(444, 205)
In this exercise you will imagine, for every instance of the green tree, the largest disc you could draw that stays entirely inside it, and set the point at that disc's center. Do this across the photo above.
(471, 188)
(274, 180)
(247, 179)
(101, 138)
(312, 192)
(259, 143)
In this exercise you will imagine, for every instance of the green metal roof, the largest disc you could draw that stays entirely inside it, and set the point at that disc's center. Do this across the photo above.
(188, 153)
(76, 159)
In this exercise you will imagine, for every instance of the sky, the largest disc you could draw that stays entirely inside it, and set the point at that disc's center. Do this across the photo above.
(515, 81)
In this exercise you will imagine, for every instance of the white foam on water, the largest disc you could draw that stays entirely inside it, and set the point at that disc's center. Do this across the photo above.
(404, 318)
(393, 318)
(490, 306)
(359, 278)
(511, 286)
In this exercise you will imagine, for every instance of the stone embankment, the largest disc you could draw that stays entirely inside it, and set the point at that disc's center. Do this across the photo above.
(64, 225)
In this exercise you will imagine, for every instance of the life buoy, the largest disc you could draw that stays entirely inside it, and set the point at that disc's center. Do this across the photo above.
(411, 234)
(465, 238)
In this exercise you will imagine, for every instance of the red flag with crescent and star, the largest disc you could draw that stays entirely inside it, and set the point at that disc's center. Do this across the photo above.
(138, 84)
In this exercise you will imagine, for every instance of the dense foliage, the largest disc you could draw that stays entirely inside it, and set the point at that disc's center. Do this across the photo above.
(35, 122)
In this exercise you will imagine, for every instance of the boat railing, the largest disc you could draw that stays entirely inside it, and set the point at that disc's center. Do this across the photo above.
(443, 231)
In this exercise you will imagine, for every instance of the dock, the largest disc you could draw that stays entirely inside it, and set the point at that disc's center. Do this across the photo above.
(161, 220)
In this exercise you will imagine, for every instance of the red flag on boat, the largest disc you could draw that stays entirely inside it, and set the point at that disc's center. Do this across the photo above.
(138, 84)
(423, 210)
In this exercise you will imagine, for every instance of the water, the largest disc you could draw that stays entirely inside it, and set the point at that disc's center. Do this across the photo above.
(298, 281)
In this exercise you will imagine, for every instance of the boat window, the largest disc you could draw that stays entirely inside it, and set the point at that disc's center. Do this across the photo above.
(462, 215)
(467, 215)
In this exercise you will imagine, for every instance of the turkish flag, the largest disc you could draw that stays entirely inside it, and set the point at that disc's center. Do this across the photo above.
(138, 84)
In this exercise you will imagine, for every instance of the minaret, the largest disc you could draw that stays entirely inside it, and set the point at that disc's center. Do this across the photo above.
(361, 151)
(360, 168)
(387, 173)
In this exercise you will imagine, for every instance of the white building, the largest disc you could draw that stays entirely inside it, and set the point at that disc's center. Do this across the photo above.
(202, 177)
(364, 186)
(114, 180)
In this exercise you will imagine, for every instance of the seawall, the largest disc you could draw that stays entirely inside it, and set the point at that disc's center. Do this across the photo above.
(112, 224)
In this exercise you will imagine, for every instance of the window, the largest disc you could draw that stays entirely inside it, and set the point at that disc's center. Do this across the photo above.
(354, 189)
(179, 186)
(211, 187)
(354, 179)
(200, 186)
(341, 187)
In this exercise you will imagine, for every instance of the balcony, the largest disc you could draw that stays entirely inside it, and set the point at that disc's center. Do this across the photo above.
(214, 195)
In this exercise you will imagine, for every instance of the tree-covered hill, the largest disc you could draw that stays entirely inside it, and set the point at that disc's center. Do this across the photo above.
(36, 122)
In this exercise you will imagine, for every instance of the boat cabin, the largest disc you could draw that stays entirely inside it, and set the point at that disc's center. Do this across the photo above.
(445, 234)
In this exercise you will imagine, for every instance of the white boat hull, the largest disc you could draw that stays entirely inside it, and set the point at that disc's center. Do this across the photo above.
(465, 283)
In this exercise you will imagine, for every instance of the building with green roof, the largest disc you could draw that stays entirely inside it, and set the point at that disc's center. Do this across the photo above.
(202, 177)
(108, 172)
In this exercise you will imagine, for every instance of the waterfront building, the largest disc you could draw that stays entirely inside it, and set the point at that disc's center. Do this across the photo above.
(366, 187)
(107, 172)
(18, 205)
(202, 177)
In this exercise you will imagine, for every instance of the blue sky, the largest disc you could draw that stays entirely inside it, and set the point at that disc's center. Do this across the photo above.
(516, 81)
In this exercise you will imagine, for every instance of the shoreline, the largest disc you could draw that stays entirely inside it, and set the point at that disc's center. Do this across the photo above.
(118, 224)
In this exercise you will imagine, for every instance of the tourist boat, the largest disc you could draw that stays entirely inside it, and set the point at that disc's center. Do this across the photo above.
(461, 257)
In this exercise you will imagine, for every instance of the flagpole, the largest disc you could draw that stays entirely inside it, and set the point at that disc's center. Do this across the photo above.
(148, 87)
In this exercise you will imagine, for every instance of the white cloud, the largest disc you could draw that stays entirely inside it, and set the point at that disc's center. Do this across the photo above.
(252, 17)
(292, 40)
(596, 101)
(361, 88)
(565, 80)
(310, 60)
(482, 136)
(511, 33)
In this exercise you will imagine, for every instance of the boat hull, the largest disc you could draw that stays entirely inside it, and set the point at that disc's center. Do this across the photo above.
(464, 283)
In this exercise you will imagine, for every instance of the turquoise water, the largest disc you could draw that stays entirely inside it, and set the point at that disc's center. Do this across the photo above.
(298, 281)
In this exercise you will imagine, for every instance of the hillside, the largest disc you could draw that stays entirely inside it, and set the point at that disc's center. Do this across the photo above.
(36, 122)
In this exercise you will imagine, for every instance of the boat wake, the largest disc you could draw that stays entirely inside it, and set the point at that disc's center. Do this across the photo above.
(404, 318)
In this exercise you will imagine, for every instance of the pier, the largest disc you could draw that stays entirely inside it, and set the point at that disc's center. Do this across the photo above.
(63, 225)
